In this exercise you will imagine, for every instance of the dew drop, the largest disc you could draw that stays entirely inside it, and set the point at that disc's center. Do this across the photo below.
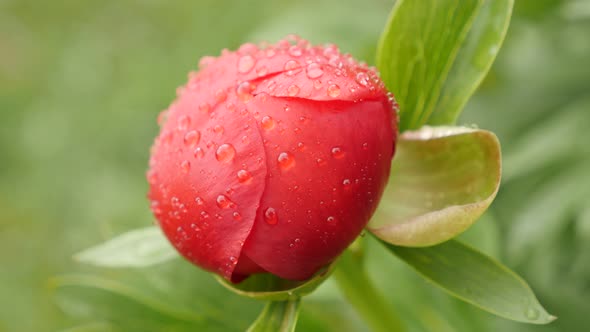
(300, 146)
(237, 216)
(244, 91)
(206, 61)
(291, 67)
(320, 162)
(346, 183)
(337, 152)
(199, 153)
(295, 51)
(183, 122)
(225, 153)
(314, 70)
(532, 314)
(191, 138)
(246, 63)
(205, 108)
(185, 166)
(333, 90)
(220, 95)
(292, 90)
(162, 117)
(267, 123)
(204, 215)
(223, 202)
(151, 176)
(244, 176)
(317, 84)
(331, 220)
(365, 146)
(261, 71)
(199, 201)
(362, 78)
(285, 161)
(218, 129)
(270, 216)
(270, 52)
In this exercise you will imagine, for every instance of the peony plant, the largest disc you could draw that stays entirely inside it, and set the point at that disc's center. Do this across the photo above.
(274, 158)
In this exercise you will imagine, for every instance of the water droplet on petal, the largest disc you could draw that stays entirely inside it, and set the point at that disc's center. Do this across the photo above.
(237, 216)
(267, 123)
(270, 216)
(314, 70)
(220, 95)
(333, 90)
(346, 183)
(337, 152)
(225, 153)
(199, 201)
(218, 129)
(246, 63)
(300, 146)
(362, 78)
(244, 91)
(331, 220)
(365, 146)
(183, 122)
(205, 108)
(286, 161)
(191, 138)
(317, 84)
(244, 176)
(185, 166)
(292, 90)
(223, 202)
(204, 215)
(291, 67)
(205, 61)
(199, 153)
(295, 51)
(320, 162)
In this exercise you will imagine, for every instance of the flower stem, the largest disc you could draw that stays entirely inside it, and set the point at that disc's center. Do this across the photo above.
(278, 316)
(354, 282)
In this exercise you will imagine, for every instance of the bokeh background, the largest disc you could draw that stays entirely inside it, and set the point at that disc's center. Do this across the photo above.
(81, 84)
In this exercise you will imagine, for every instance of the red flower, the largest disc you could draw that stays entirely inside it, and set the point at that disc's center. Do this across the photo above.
(272, 159)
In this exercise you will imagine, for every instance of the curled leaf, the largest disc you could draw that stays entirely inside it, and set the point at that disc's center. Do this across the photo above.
(442, 180)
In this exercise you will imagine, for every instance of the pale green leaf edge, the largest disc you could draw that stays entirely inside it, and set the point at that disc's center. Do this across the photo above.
(143, 247)
(548, 317)
(281, 295)
(441, 225)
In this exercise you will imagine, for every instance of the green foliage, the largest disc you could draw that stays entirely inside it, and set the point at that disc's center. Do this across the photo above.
(78, 80)
(475, 278)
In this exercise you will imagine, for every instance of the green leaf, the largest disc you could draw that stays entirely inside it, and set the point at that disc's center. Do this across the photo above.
(269, 287)
(417, 49)
(137, 248)
(475, 278)
(442, 180)
(278, 316)
(474, 60)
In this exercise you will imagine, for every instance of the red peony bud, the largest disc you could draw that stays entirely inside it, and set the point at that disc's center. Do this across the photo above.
(272, 159)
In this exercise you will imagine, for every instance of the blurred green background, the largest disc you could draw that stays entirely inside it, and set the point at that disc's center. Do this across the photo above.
(81, 84)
